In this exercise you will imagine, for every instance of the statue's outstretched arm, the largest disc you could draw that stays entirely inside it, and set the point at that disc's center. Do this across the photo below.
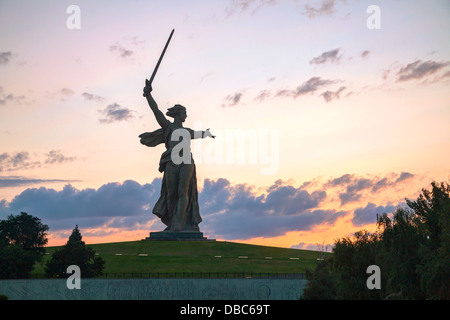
(200, 134)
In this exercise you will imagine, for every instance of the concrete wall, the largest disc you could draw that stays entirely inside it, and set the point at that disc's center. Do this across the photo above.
(154, 289)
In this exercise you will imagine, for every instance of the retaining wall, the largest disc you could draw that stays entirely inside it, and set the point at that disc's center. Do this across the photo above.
(154, 289)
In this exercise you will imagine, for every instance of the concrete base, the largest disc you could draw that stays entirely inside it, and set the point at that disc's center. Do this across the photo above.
(178, 236)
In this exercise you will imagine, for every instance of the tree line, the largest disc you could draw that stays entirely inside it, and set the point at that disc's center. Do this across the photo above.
(411, 247)
(22, 245)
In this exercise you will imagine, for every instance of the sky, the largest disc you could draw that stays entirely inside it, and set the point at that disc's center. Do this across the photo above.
(326, 113)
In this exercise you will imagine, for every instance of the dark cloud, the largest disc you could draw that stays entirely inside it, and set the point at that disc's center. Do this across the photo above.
(404, 176)
(22, 160)
(360, 184)
(365, 54)
(347, 197)
(115, 112)
(15, 181)
(66, 92)
(327, 7)
(312, 85)
(241, 6)
(11, 98)
(121, 51)
(369, 213)
(381, 184)
(308, 87)
(232, 99)
(419, 70)
(116, 204)
(328, 56)
(92, 97)
(17, 161)
(229, 211)
(353, 188)
(56, 156)
(352, 185)
(5, 57)
(343, 180)
(263, 95)
(238, 212)
(331, 95)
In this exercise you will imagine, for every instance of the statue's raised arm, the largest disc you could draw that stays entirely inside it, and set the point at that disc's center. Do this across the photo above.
(162, 121)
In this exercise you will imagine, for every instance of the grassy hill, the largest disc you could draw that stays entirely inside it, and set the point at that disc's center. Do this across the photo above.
(197, 256)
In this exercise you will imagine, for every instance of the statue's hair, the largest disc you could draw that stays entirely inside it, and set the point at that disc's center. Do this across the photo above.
(176, 109)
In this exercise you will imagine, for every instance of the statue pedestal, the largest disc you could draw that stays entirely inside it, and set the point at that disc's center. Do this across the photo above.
(178, 236)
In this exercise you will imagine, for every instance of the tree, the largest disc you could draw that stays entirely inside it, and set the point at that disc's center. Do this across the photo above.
(398, 253)
(321, 283)
(75, 252)
(22, 241)
(432, 209)
(411, 247)
(351, 257)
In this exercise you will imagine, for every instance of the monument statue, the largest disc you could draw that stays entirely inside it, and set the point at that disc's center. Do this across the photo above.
(177, 206)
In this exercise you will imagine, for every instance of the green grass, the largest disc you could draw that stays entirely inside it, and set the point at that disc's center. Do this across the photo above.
(197, 256)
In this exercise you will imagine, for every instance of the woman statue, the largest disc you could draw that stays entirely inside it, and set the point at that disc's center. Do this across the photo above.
(177, 206)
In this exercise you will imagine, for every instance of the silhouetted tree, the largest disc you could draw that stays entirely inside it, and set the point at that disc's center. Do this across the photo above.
(321, 283)
(398, 254)
(75, 252)
(352, 256)
(411, 247)
(22, 241)
(432, 209)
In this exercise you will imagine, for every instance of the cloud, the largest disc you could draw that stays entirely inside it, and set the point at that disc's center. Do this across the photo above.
(368, 214)
(56, 156)
(263, 95)
(115, 112)
(15, 181)
(5, 57)
(344, 179)
(308, 87)
(327, 7)
(11, 98)
(233, 99)
(121, 51)
(228, 211)
(404, 176)
(92, 97)
(114, 204)
(352, 185)
(244, 5)
(365, 54)
(239, 212)
(330, 95)
(328, 56)
(17, 161)
(419, 70)
(66, 92)
(23, 161)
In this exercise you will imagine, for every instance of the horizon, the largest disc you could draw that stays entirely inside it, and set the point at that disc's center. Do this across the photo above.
(326, 113)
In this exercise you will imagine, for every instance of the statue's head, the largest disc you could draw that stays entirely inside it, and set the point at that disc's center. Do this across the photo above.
(177, 110)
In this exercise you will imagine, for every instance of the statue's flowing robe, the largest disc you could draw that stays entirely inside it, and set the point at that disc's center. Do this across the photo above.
(152, 139)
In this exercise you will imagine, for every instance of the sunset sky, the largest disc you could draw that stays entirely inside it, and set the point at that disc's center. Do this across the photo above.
(321, 121)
